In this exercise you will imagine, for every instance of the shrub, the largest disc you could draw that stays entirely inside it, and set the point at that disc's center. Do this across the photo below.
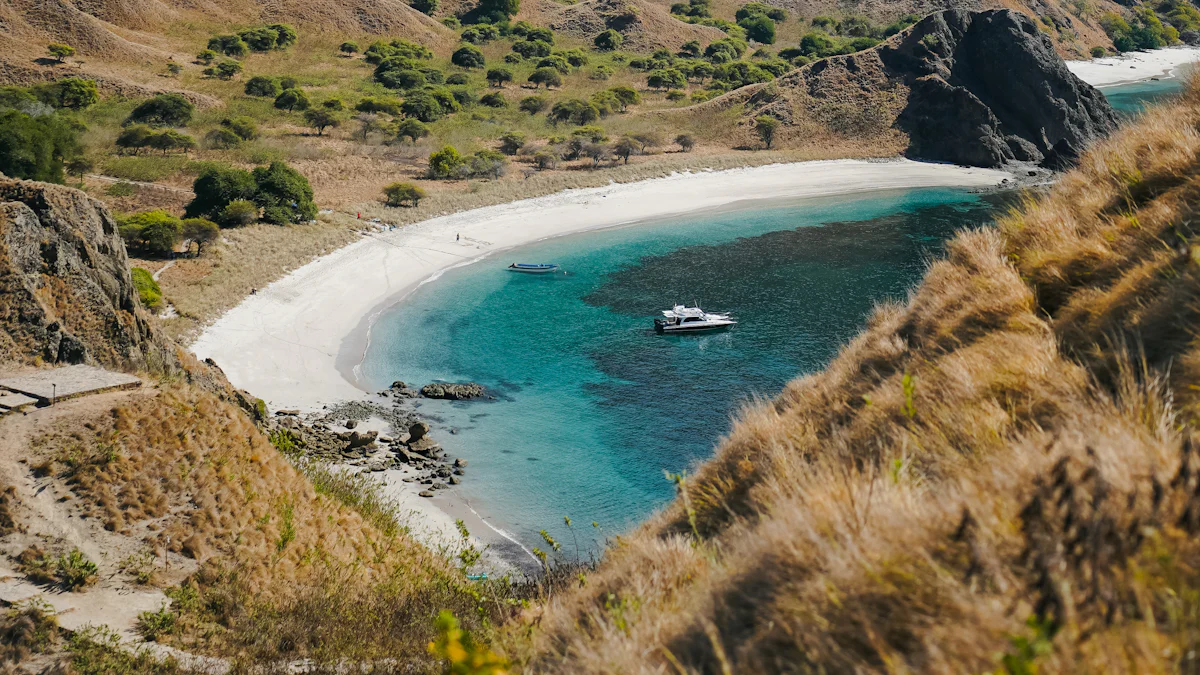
(759, 9)
(666, 79)
(370, 104)
(601, 72)
(512, 58)
(546, 76)
(766, 127)
(609, 40)
(229, 45)
(153, 624)
(147, 288)
(467, 56)
(428, 7)
(288, 83)
(244, 127)
(430, 104)
(458, 78)
(292, 99)
(532, 48)
(532, 104)
(215, 188)
(556, 62)
(1098, 52)
(261, 85)
(225, 70)
(676, 95)
(575, 111)
(334, 104)
(121, 189)
(206, 56)
(284, 194)
(238, 212)
(481, 34)
(494, 100)
(348, 48)
(511, 142)
(164, 110)
(34, 147)
(545, 159)
(444, 163)
(153, 232)
(625, 147)
(593, 133)
(412, 129)
(626, 95)
(71, 92)
(403, 194)
(201, 232)
(685, 142)
(451, 22)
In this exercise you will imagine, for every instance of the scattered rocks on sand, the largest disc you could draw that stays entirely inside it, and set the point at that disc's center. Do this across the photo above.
(453, 392)
(460, 463)
(425, 493)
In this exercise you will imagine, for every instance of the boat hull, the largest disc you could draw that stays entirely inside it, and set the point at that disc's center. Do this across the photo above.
(533, 270)
(668, 329)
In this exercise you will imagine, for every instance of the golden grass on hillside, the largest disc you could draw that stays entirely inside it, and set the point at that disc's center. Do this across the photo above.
(289, 567)
(1000, 475)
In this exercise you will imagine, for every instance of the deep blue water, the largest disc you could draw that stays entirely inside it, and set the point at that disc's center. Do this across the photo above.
(1131, 99)
(592, 406)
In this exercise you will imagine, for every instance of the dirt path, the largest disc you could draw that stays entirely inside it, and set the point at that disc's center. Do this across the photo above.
(46, 512)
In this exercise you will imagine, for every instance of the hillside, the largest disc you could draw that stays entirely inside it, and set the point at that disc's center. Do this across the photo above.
(998, 475)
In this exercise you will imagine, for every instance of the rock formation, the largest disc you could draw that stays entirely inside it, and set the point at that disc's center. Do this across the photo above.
(977, 88)
(987, 88)
(65, 290)
(453, 392)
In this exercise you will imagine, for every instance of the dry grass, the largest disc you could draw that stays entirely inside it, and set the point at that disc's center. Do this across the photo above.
(288, 568)
(999, 475)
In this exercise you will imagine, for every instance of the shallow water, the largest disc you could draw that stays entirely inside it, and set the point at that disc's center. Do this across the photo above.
(592, 407)
(1131, 99)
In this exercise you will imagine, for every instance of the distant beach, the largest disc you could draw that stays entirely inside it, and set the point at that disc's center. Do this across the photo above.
(1134, 66)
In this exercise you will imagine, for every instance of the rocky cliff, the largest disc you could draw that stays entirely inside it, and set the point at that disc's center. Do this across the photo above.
(987, 88)
(979, 88)
(65, 289)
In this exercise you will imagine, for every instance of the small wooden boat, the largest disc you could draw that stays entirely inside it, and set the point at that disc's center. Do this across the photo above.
(533, 268)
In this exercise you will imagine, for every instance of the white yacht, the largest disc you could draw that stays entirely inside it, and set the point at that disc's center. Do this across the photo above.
(681, 319)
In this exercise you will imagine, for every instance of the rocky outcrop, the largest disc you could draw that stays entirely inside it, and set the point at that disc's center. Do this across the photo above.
(453, 392)
(66, 295)
(987, 88)
(977, 88)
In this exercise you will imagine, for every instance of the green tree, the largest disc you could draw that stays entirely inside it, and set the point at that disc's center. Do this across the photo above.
(626, 95)
(260, 39)
(201, 232)
(766, 127)
(215, 188)
(227, 69)
(412, 129)
(287, 35)
(34, 147)
(445, 163)
(511, 142)
(292, 99)
(467, 56)
(78, 166)
(60, 52)
(498, 76)
(284, 194)
(666, 78)
(759, 9)
(575, 111)
(207, 56)
(153, 232)
(164, 110)
(169, 140)
(71, 92)
(429, 7)
(261, 85)
(348, 48)
(498, 10)
(546, 76)
(532, 48)
(609, 40)
(134, 137)
(403, 194)
(759, 28)
(624, 147)
(321, 119)
(690, 48)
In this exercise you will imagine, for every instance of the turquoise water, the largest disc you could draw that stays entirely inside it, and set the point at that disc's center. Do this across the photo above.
(1131, 99)
(591, 406)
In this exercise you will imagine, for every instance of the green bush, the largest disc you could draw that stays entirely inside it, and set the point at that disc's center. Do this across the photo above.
(153, 624)
(284, 194)
(292, 99)
(467, 56)
(152, 232)
(238, 212)
(444, 163)
(216, 187)
(229, 45)
(164, 110)
(609, 40)
(412, 129)
(261, 85)
(244, 127)
(147, 288)
(34, 148)
(403, 194)
(75, 570)
(1098, 51)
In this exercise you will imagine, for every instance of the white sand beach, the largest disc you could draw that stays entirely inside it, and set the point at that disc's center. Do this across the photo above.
(295, 343)
(1134, 66)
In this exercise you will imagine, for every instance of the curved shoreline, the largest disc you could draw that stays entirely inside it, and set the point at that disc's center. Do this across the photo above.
(1134, 66)
(295, 342)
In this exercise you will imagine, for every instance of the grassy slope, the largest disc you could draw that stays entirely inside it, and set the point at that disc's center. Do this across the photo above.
(1014, 444)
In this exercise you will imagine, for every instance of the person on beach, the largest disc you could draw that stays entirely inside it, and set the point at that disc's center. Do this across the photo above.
(457, 237)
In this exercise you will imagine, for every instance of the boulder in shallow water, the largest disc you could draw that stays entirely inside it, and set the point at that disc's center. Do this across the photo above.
(417, 431)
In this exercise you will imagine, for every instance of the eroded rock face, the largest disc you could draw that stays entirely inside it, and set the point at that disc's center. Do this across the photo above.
(987, 88)
(65, 290)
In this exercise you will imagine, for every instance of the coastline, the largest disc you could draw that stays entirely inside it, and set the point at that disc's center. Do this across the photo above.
(296, 343)
(1134, 66)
